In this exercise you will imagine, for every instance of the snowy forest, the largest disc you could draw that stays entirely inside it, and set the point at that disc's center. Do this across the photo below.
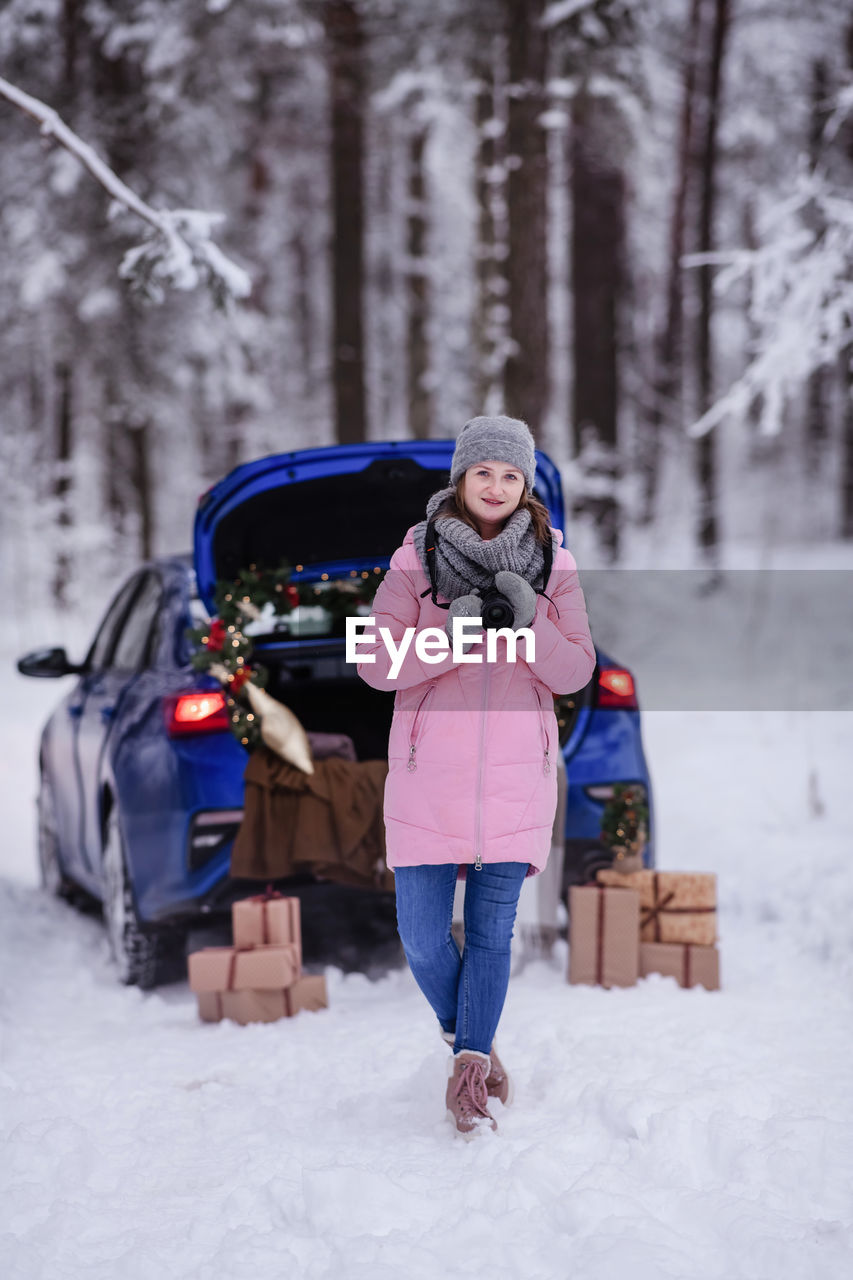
(626, 221)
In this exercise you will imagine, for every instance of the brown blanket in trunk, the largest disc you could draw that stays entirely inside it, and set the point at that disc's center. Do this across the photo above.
(329, 823)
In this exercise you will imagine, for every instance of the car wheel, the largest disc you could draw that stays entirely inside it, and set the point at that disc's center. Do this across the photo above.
(137, 952)
(53, 879)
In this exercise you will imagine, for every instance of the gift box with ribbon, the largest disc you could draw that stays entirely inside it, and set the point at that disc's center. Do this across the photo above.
(266, 918)
(244, 968)
(603, 935)
(307, 992)
(259, 978)
(690, 965)
(675, 906)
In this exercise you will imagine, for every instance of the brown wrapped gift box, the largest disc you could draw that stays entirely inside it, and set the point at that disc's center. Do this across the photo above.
(603, 931)
(260, 978)
(244, 969)
(307, 992)
(687, 963)
(266, 918)
(675, 906)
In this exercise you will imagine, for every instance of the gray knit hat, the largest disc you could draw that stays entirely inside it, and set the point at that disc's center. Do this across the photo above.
(500, 439)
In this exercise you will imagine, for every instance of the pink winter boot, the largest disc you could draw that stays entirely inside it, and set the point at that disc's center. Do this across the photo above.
(466, 1097)
(498, 1082)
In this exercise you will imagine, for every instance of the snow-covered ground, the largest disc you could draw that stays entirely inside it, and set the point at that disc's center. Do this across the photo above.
(655, 1133)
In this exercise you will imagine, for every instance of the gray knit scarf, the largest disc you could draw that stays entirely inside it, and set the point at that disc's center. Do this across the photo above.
(463, 561)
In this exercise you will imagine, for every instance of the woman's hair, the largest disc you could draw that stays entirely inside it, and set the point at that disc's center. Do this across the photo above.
(454, 505)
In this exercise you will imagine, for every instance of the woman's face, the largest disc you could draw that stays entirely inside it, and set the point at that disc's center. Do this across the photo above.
(493, 490)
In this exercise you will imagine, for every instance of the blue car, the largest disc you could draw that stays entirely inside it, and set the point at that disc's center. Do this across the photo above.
(141, 779)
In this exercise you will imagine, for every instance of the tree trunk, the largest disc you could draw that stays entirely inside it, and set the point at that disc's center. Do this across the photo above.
(119, 90)
(667, 405)
(112, 462)
(846, 372)
(526, 382)
(597, 254)
(492, 285)
(417, 290)
(760, 447)
(259, 182)
(62, 482)
(347, 85)
(69, 26)
(70, 29)
(705, 452)
(301, 253)
(818, 412)
(139, 439)
(818, 389)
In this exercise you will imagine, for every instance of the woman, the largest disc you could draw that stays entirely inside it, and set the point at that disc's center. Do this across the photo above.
(471, 787)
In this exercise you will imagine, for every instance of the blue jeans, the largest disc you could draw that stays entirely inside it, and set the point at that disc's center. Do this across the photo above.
(467, 991)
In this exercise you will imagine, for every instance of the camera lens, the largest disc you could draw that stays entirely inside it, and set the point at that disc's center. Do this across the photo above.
(496, 611)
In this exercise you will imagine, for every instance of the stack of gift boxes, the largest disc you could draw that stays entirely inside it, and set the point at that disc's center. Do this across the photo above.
(259, 978)
(627, 925)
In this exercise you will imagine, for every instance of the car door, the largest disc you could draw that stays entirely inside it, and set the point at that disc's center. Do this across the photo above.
(70, 783)
(127, 663)
(114, 669)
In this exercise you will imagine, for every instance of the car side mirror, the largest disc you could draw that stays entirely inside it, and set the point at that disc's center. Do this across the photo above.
(47, 664)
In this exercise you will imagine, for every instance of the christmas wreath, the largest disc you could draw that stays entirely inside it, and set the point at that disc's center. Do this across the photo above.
(224, 646)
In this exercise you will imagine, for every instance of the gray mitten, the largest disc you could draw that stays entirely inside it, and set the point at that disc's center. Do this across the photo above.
(463, 607)
(521, 596)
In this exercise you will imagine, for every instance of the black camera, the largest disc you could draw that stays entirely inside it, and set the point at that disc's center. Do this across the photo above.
(496, 611)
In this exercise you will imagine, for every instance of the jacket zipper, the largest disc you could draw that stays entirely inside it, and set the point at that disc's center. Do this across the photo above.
(478, 859)
(411, 763)
(546, 764)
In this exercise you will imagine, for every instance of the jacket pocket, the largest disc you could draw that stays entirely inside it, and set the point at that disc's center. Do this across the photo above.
(546, 752)
(417, 726)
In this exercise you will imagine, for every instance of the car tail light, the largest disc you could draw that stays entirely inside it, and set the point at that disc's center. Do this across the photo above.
(203, 712)
(616, 689)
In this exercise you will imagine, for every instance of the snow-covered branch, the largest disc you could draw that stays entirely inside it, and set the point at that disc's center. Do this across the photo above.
(562, 10)
(800, 303)
(843, 110)
(177, 251)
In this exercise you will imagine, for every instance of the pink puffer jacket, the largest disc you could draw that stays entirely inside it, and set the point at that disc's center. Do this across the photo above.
(472, 750)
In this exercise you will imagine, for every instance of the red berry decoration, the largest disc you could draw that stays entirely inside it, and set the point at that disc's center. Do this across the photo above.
(240, 678)
(216, 639)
